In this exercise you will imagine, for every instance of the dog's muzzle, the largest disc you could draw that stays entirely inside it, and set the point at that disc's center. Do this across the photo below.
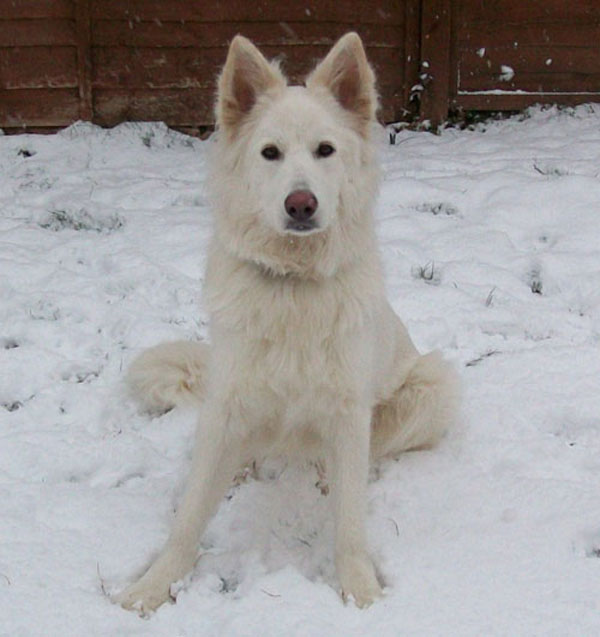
(300, 207)
(301, 226)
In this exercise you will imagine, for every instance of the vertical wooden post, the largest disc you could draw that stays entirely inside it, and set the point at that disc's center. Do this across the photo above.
(412, 48)
(83, 25)
(435, 59)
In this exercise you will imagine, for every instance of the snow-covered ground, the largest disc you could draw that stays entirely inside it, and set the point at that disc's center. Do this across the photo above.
(491, 243)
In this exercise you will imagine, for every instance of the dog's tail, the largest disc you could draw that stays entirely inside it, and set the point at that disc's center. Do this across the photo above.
(169, 374)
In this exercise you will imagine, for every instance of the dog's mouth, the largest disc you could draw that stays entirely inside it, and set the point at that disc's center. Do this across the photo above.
(301, 227)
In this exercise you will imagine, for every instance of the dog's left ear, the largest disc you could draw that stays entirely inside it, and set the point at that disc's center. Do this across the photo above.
(346, 73)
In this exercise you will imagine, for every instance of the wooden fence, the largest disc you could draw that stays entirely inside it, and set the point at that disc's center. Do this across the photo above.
(113, 60)
(509, 54)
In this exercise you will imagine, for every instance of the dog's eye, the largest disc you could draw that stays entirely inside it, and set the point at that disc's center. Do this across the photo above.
(325, 150)
(271, 153)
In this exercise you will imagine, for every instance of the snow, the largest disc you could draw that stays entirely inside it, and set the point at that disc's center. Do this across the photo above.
(491, 244)
(506, 73)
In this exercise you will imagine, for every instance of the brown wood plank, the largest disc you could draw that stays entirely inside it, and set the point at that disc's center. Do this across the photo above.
(517, 102)
(84, 59)
(551, 68)
(535, 82)
(435, 56)
(38, 67)
(502, 12)
(125, 67)
(31, 130)
(505, 36)
(198, 34)
(191, 107)
(379, 11)
(121, 67)
(38, 107)
(533, 59)
(30, 9)
(37, 32)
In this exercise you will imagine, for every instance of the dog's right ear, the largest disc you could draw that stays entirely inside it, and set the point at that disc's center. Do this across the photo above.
(246, 76)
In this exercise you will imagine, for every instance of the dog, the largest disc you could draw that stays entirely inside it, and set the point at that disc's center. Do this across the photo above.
(306, 355)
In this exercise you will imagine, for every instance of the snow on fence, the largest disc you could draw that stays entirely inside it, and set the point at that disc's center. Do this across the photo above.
(114, 60)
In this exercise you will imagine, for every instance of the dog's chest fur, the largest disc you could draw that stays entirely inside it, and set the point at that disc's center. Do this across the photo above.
(302, 347)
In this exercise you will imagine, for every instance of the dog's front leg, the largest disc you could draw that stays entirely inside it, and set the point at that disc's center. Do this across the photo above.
(350, 470)
(216, 459)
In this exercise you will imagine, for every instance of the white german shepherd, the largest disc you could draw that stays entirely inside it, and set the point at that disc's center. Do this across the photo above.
(306, 354)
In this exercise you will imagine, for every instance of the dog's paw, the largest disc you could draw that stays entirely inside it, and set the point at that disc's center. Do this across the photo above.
(358, 580)
(145, 596)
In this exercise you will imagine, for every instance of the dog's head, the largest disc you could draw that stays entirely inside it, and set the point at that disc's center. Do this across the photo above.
(295, 172)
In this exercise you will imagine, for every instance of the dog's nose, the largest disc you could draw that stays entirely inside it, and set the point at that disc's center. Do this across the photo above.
(301, 205)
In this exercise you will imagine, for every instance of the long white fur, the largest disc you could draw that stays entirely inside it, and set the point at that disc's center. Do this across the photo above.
(306, 354)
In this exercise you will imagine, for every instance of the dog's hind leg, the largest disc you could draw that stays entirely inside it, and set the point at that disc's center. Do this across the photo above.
(419, 412)
(169, 374)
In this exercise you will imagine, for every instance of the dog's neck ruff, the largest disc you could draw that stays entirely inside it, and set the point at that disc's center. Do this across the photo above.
(278, 273)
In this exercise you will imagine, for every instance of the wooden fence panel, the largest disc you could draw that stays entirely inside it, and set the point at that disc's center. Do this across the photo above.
(111, 60)
(511, 54)
(143, 47)
(38, 63)
(158, 59)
